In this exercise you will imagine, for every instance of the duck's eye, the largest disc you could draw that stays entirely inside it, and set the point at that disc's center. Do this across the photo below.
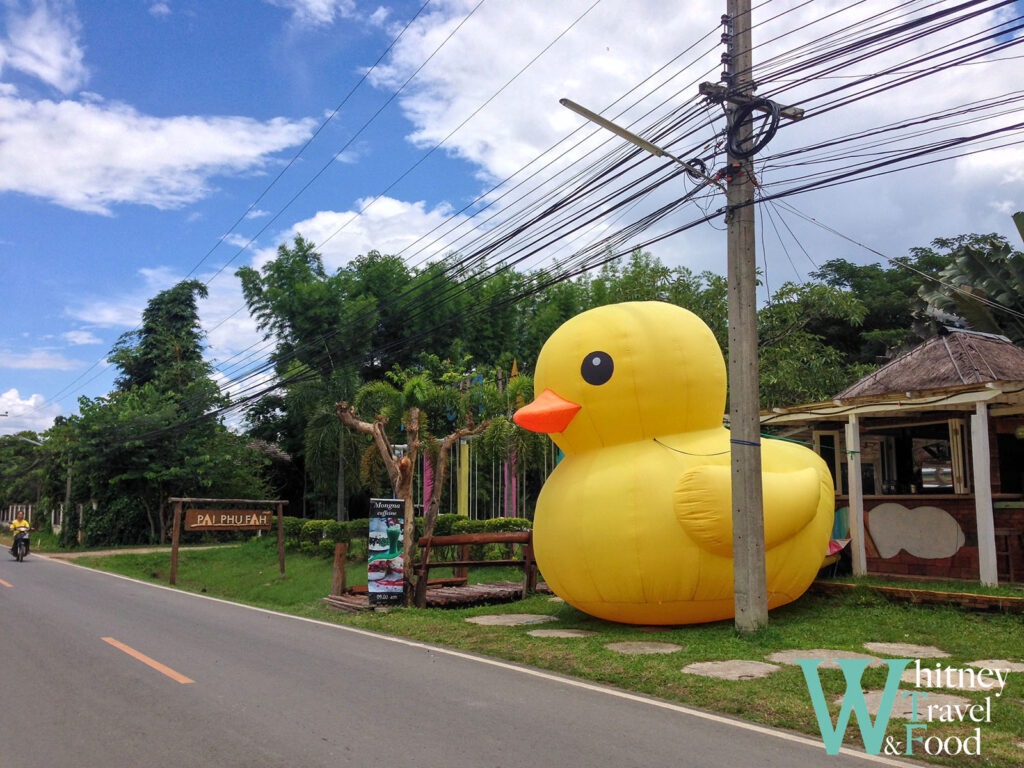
(597, 368)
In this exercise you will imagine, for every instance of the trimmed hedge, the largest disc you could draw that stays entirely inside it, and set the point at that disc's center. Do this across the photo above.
(318, 537)
(494, 525)
(313, 531)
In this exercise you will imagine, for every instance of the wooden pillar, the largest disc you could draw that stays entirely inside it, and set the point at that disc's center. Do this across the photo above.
(856, 491)
(175, 540)
(280, 538)
(983, 497)
(339, 575)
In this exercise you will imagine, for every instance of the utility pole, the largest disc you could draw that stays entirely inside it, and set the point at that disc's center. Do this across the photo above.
(750, 584)
(749, 576)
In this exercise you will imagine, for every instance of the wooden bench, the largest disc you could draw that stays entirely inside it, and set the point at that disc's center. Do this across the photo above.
(460, 567)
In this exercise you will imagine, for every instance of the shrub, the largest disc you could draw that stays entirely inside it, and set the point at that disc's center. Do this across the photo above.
(506, 524)
(121, 521)
(313, 531)
(308, 548)
(358, 529)
(326, 548)
(465, 525)
(357, 550)
(444, 524)
(292, 528)
(335, 532)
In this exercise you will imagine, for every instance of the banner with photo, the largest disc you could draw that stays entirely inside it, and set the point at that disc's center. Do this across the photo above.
(384, 574)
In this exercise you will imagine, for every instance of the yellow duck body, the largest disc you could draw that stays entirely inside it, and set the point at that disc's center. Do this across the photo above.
(635, 523)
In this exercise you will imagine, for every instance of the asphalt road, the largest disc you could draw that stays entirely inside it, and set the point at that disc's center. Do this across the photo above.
(267, 690)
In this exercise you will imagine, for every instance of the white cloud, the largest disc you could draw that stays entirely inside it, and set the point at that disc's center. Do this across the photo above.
(111, 310)
(33, 413)
(92, 156)
(257, 213)
(387, 225)
(160, 9)
(42, 41)
(317, 12)
(238, 241)
(81, 338)
(605, 56)
(231, 332)
(38, 360)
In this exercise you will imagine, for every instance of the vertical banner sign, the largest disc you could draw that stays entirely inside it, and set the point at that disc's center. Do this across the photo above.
(384, 572)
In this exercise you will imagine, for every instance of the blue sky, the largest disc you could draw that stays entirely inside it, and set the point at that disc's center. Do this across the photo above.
(134, 133)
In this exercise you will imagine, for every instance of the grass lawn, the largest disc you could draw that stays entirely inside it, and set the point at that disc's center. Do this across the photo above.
(249, 574)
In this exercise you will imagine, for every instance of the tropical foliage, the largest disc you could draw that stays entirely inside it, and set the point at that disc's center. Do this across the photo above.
(430, 355)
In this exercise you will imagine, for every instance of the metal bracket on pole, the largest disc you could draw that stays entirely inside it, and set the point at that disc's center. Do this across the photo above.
(719, 93)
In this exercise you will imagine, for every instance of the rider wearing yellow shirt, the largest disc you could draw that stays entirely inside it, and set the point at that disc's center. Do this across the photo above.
(18, 525)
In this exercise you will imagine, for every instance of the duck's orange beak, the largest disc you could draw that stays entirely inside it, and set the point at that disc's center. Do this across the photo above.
(548, 413)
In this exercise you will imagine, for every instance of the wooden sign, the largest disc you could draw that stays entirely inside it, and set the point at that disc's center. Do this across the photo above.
(228, 519)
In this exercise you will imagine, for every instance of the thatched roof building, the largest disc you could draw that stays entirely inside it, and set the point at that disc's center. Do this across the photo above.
(956, 358)
(927, 457)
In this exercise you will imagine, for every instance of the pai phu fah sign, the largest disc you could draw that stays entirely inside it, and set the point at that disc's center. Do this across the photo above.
(228, 519)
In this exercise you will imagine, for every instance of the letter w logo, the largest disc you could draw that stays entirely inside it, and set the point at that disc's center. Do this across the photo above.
(853, 701)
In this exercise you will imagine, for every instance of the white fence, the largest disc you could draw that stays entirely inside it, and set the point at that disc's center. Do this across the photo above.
(8, 513)
(11, 512)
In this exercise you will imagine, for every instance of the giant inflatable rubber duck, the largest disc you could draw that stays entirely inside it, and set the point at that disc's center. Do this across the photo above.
(635, 523)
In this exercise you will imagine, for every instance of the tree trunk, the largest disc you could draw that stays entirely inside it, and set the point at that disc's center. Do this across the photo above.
(400, 472)
(163, 519)
(441, 471)
(342, 512)
(152, 522)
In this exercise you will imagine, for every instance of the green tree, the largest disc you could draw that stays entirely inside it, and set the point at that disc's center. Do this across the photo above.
(980, 287)
(22, 468)
(150, 438)
(167, 349)
(796, 365)
(890, 298)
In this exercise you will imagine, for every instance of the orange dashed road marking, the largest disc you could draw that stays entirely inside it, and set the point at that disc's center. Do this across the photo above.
(164, 670)
(6, 584)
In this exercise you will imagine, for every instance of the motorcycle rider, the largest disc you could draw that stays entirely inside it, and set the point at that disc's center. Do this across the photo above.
(18, 525)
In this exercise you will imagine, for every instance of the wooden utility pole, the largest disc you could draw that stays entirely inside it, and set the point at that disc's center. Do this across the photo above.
(750, 586)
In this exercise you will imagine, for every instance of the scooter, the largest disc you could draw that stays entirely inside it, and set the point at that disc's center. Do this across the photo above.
(20, 548)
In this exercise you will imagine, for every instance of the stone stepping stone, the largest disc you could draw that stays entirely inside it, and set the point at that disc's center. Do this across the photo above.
(731, 670)
(639, 649)
(907, 650)
(790, 657)
(555, 600)
(1012, 666)
(957, 682)
(510, 619)
(560, 633)
(903, 706)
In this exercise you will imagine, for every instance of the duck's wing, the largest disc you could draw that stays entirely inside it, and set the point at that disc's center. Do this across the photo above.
(703, 505)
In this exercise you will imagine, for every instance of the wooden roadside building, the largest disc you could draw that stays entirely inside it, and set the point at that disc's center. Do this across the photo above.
(927, 455)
